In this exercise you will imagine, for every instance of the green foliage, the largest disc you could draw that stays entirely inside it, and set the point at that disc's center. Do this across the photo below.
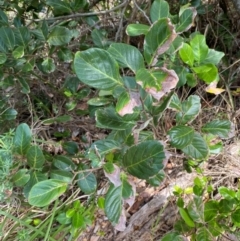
(132, 89)
(206, 219)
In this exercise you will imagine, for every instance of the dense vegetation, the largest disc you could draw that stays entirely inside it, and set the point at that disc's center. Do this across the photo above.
(96, 95)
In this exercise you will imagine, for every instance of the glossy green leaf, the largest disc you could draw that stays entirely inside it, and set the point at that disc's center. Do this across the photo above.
(158, 40)
(175, 103)
(61, 175)
(108, 118)
(197, 149)
(181, 136)
(18, 52)
(213, 57)
(207, 73)
(218, 127)
(71, 147)
(199, 47)
(21, 177)
(45, 192)
(97, 68)
(99, 38)
(210, 210)
(196, 209)
(236, 217)
(87, 182)
(35, 157)
(65, 55)
(24, 85)
(113, 203)
(99, 101)
(7, 37)
(127, 56)
(48, 65)
(159, 9)
(186, 20)
(137, 29)
(126, 189)
(203, 234)
(9, 114)
(185, 216)
(3, 58)
(227, 193)
(100, 148)
(190, 110)
(59, 36)
(35, 177)
(22, 138)
(186, 54)
(145, 159)
(63, 163)
(63, 219)
(60, 7)
(77, 220)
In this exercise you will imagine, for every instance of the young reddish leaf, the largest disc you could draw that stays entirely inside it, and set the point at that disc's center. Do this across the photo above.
(114, 177)
(127, 102)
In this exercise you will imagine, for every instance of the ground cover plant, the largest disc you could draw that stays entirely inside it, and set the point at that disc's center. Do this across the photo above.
(63, 77)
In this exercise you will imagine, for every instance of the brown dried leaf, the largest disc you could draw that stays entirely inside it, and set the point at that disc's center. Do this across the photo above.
(114, 177)
(121, 226)
(169, 83)
(134, 102)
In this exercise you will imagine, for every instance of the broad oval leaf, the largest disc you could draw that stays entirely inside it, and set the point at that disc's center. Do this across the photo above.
(45, 192)
(59, 36)
(35, 177)
(18, 52)
(137, 29)
(22, 138)
(203, 234)
(197, 149)
(186, 19)
(97, 68)
(159, 9)
(60, 7)
(8, 38)
(9, 114)
(199, 47)
(113, 203)
(64, 163)
(127, 56)
(35, 157)
(208, 73)
(186, 54)
(210, 210)
(181, 136)
(24, 85)
(158, 40)
(213, 57)
(21, 177)
(108, 118)
(218, 127)
(145, 159)
(48, 65)
(236, 217)
(190, 110)
(62, 175)
(87, 182)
